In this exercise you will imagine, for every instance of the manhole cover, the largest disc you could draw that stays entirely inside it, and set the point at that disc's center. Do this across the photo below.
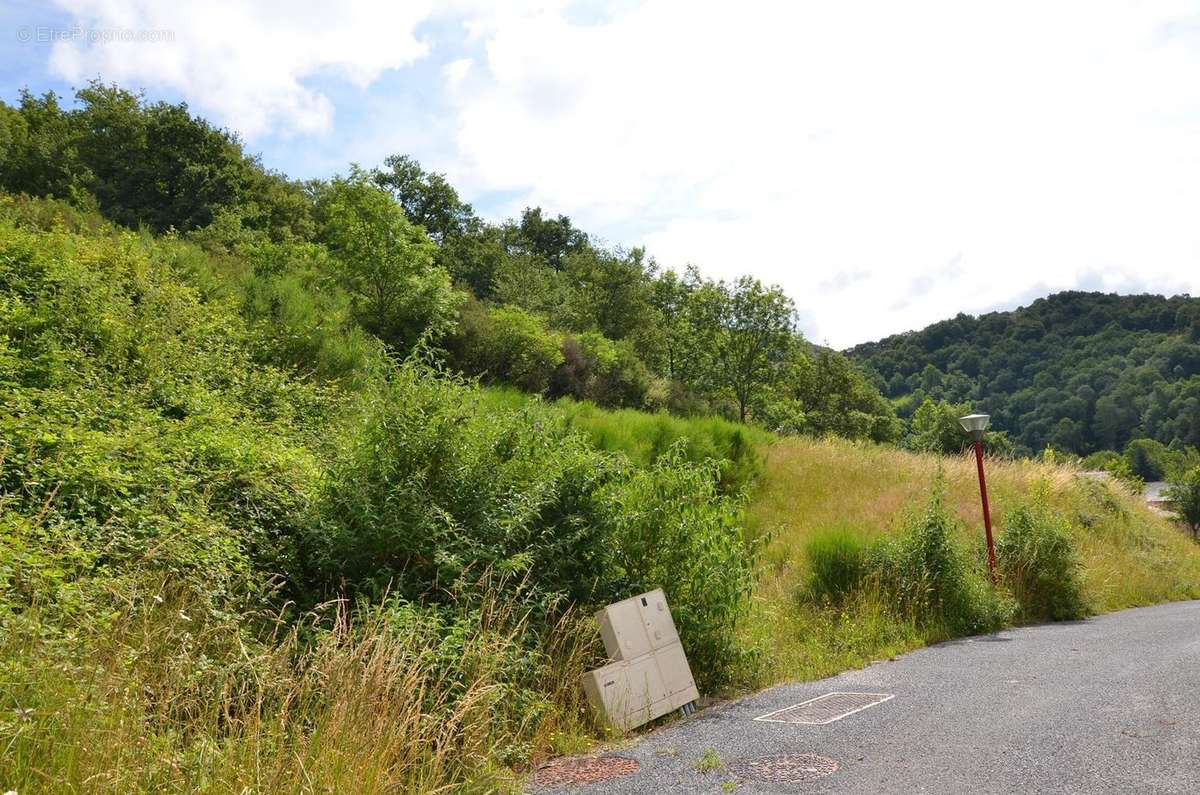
(826, 708)
(589, 770)
(784, 768)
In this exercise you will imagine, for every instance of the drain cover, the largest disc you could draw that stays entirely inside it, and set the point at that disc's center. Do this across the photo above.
(784, 768)
(588, 770)
(826, 708)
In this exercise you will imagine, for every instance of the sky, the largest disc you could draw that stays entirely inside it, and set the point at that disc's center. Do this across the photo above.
(888, 164)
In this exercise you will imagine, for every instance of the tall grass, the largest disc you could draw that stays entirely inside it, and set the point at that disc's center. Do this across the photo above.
(923, 571)
(644, 437)
(1040, 564)
(838, 560)
(375, 700)
(827, 504)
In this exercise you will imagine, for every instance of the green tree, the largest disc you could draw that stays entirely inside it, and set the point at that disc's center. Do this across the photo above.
(610, 291)
(145, 164)
(835, 398)
(427, 198)
(754, 330)
(550, 238)
(1184, 495)
(669, 299)
(387, 264)
(1079, 371)
(1147, 458)
(935, 427)
(41, 159)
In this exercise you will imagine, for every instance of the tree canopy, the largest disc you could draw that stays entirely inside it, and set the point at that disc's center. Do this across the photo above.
(395, 254)
(1076, 371)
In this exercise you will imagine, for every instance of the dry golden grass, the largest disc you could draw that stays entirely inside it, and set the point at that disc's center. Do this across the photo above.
(368, 707)
(1131, 555)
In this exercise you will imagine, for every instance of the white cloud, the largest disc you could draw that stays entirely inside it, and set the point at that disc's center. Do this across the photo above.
(888, 163)
(245, 62)
(1053, 144)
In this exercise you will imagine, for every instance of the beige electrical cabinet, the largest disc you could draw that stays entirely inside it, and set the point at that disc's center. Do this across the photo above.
(649, 675)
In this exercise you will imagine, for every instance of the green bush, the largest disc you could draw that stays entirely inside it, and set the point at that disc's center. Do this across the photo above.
(505, 345)
(1039, 563)
(838, 559)
(140, 438)
(921, 573)
(433, 493)
(932, 579)
(667, 525)
(302, 317)
(1149, 459)
(596, 368)
(1184, 495)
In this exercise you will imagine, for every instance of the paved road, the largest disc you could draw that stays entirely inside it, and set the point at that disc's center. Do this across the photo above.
(1111, 704)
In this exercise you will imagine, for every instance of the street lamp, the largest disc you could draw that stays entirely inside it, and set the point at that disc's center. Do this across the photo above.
(976, 424)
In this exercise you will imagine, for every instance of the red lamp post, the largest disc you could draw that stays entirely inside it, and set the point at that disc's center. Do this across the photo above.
(976, 424)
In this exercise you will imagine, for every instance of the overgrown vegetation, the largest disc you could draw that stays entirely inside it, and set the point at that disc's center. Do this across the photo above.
(216, 568)
(1040, 564)
(394, 252)
(1184, 497)
(312, 486)
(864, 562)
(921, 572)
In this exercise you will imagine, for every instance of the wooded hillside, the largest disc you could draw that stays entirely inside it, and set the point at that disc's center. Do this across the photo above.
(1077, 371)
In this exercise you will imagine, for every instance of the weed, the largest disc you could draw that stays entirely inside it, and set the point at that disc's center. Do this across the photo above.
(1039, 562)
(709, 762)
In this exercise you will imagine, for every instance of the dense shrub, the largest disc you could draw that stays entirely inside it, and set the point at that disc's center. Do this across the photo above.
(923, 574)
(505, 345)
(598, 369)
(838, 558)
(1039, 563)
(301, 315)
(1147, 458)
(668, 526)
(434, 492)
(139, 435)
(195, 452)
(932, 579)
(1184, 494)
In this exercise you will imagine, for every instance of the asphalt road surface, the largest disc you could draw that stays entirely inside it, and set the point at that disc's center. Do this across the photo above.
(1111, 704)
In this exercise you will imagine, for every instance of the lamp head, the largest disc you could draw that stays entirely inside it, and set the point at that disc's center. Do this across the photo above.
(975, 424)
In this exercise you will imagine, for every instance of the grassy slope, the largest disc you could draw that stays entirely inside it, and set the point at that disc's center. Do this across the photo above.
(1131, 556)
(143, 449)
(644, 436)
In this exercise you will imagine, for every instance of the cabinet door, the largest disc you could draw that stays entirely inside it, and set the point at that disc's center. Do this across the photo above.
(676, 673)
(644, 682)
(656, 618)
(623, 630)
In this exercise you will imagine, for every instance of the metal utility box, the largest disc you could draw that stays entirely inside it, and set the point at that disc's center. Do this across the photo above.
(637, 626)
(649, 675)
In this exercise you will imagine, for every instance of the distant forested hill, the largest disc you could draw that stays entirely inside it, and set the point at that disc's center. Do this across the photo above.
(1077, 371)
